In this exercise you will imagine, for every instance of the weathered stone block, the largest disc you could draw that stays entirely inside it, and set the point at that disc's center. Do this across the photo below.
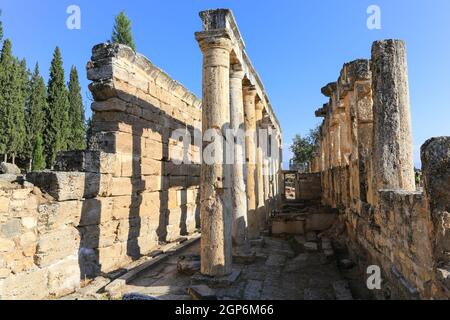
(151, 167)
(57, 215)
(21, 194)
(6, 245)
(30, 285)
(28, 238)
(112, 257)
(11, 228)
(147, 242)
(29, 222)
(96, 211)
(56, 245)
(9, 168)
(122, 187)
(64, 277)
(87, 161)
(99, 236)
(4, 204)
(70, 185)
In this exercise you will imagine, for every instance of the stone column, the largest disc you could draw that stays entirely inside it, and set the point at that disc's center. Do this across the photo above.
(259, 167)
(250, 155)
(266, 175)
(392, 140)
(281, 182)
(435, 154)
(239, 197)
(363, 97)
(215, 206)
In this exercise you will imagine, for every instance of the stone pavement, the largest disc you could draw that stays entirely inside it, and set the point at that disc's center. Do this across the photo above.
(284, 268)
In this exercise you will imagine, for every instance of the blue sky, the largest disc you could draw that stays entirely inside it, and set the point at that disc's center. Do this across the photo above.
(296, 46)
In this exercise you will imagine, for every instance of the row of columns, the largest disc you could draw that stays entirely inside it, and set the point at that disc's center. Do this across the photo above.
(233, 196)
(381, 125)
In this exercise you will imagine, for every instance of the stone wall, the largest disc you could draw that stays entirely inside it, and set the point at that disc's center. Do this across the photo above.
(38, 244)
(116, 201)
(366, 167)
(308, 186)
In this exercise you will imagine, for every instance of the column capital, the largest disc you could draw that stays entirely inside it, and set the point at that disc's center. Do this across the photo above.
(237, 74)
(259, 105)
(214, 39)
(250, 92)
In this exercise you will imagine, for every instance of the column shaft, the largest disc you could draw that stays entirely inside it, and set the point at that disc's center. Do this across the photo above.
(239, 198)
(215, 208)
(392, 138)
(259, 168)
(250, 155)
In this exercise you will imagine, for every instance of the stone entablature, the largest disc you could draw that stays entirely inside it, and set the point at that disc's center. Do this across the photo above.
(221, 21)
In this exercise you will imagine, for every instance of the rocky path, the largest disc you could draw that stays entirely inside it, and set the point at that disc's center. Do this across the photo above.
(289, 268)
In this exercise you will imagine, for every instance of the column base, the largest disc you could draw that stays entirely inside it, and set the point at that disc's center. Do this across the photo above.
(216, 282)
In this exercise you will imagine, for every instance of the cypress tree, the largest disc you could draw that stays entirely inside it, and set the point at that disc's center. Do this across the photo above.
(122, 32)
(56, 111)
(1, 27)
(88, 131)
(38, 155)
(34, 115)
(18, 131)
(76, 113)
(7, 96)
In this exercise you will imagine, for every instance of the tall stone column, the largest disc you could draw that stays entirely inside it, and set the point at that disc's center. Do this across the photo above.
(239, 197)
(267, 168)
(392, 138)
(250, 155)
(215, 206)
(259, 166)
(435, 154)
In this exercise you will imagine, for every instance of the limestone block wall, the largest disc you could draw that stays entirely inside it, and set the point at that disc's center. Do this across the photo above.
(135, 187)
(38, 244)
(386, 221)
(137, 109)
(142, 184)
(308, 186)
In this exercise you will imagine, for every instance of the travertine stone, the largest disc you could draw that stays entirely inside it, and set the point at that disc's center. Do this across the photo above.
(216, 213)
(365, 146)
(436, 173)
(392, 141)
(250, 155)
(239, 196)
(259, 166)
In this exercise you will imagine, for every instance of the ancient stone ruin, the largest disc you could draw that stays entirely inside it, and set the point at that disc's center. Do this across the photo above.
(367, 172)
(143, 191)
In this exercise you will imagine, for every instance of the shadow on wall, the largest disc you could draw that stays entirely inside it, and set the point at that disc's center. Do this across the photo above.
(101, 232)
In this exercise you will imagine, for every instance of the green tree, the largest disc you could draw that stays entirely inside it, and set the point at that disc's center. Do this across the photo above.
(6, 95)
(88, 130)
(76, 113)
(56, 125)
(18, 130)
(34, 116)
(304, 148)
(13, 82)
(38, 155)
(122, 32)
(1, 28)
